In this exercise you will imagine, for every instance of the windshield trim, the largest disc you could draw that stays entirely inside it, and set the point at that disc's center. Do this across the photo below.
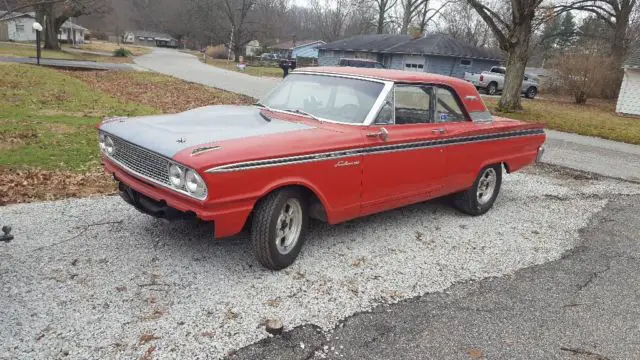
(375, 108)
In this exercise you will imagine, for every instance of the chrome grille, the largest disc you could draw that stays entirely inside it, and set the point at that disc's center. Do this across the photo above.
(141, 161)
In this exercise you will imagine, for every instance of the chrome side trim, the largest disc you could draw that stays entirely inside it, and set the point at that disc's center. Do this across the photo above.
(257, 164)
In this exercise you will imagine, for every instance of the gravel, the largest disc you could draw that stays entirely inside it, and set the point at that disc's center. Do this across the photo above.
(93, 278)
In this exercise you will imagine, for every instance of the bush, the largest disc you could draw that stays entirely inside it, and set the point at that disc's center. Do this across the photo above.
(586, 74)
(121, 52)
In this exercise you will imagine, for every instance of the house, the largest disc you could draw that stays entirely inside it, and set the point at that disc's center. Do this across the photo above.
(629, 98)
(16, 26)
(252, 48)
(72, 33)
(149, 38)
(295, 49)
(434, 53)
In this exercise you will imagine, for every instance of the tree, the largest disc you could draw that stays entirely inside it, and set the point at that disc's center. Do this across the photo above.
(383, 8)
(512, 27)
(615, 13)
(462, 22)
(417, 9)
(567, 31)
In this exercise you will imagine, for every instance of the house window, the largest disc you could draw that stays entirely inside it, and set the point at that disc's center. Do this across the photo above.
(465, 63)
(413, 67)
(20, 28)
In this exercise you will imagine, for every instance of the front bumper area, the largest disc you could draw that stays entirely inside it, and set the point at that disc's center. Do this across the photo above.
(152, 207)
(228, 219)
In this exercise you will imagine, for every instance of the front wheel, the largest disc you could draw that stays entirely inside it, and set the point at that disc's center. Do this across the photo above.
(479, 198)
(278, 228)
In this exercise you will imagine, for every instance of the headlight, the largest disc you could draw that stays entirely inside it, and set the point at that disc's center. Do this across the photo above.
(195, 185)
(176, 176)
(109, 147)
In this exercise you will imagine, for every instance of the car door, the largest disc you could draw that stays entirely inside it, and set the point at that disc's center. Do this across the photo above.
(401, 162)
(464, 155)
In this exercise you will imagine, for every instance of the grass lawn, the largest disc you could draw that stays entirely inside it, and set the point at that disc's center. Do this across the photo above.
(29, 50)
(251, 70)
(594, 119)
(97, 45)
(47, 124)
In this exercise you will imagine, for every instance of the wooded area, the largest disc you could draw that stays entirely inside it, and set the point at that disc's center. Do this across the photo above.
(530, 32)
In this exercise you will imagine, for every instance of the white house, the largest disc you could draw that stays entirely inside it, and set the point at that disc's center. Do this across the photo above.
(252, 48)
(629, 98)
(72, 33)
(17, 26)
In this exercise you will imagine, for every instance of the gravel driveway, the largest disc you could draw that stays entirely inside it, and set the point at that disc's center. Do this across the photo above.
(92, 278)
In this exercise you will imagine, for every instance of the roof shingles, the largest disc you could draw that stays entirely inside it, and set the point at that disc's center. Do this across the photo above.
(633, 61)
(433, 44)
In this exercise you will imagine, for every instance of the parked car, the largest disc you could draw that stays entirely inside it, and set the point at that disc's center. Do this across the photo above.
(492, 82)
(362, 63)
(269, 57)
(327, 143)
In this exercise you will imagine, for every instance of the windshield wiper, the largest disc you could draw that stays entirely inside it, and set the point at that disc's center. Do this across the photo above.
(302, 112)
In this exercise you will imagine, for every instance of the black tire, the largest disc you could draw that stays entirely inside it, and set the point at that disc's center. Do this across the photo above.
(265, 222)
(492, 88)
(531, 92)
(468, 202)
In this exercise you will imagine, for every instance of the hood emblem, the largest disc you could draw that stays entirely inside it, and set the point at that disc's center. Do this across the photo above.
(200, 150)
(181, 140)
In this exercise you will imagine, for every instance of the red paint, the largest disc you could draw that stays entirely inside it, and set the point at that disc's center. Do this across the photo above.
(367, 183)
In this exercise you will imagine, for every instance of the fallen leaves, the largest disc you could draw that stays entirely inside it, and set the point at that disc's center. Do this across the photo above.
(168, 94)
(29, 185)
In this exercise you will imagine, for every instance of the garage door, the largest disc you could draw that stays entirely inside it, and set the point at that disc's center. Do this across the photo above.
(414, 63)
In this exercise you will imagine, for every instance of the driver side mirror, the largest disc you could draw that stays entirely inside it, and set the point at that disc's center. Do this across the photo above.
(385, 116)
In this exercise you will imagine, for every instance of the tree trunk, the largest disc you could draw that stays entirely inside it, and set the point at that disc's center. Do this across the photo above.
(406, 21)
(518, 54)
(380, 28)
(50, 29)
(580, 97)
(619, 41)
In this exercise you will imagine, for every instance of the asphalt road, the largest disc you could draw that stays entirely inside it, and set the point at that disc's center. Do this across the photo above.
(578, 152)
(586, 305)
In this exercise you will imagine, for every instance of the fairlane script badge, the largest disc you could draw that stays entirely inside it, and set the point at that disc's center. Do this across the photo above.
(347, 163)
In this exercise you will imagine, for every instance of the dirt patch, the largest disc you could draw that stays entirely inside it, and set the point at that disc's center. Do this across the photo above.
(11, 139)
(29, 185)
(169, 95)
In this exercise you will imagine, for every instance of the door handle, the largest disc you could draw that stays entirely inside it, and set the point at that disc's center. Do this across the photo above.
(438, 131)
(382, 134)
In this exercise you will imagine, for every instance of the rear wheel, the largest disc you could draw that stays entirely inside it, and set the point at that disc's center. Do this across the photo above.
(492, 88)
(531, 92)
(278, 228)
(479, 198)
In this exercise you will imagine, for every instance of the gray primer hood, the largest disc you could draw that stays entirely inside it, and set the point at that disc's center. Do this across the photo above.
(164, 133)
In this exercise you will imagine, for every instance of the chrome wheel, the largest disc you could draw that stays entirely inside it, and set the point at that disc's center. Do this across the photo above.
(486, 186)
(289, 226)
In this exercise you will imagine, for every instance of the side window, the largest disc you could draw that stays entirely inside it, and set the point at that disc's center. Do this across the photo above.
(413, 104)
(447, 106)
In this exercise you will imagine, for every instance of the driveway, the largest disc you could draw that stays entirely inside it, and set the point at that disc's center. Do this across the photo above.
(188, 67)
(73, 64)
(578, 152)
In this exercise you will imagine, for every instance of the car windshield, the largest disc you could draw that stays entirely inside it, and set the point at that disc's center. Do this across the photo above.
(323, 96)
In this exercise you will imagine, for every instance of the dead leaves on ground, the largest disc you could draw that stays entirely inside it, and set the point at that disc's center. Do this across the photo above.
(29, 185)
(168, 94)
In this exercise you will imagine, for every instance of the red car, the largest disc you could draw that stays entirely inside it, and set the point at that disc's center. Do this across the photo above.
(331, 144)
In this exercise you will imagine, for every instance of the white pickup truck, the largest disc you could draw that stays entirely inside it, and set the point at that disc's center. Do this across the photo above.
(492, 82)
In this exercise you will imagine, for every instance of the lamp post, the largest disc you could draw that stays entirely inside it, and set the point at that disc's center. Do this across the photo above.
(38, 28)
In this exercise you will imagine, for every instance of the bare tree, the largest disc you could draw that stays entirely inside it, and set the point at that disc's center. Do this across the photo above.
(615, 13)
(383, 8)
(512, 27)
(462, 22)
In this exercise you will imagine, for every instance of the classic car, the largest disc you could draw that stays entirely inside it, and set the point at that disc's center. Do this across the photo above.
(327, 143)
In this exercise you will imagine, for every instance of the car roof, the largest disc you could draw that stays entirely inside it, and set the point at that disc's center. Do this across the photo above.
(386, 74)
